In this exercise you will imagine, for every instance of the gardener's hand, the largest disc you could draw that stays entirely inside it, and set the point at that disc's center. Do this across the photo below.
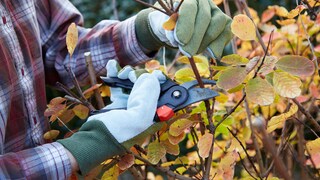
(108, 134)
(201, 26)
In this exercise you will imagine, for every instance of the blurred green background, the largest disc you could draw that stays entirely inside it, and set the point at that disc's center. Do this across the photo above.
(95, 11)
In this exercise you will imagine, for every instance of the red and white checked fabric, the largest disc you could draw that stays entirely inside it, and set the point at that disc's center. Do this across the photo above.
(33, 53)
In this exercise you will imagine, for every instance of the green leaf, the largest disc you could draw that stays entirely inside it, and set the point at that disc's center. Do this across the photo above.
(234, 59)
(296, 65)
(156, 151)
(286, 85)
(232, 77)
(259, 91)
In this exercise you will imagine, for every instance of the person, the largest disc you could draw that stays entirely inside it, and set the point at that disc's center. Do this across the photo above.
(33, 53)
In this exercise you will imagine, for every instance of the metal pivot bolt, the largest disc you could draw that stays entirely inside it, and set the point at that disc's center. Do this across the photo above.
(176, 94)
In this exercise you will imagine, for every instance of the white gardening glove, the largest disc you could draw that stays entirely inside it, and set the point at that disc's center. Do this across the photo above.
(110, 133)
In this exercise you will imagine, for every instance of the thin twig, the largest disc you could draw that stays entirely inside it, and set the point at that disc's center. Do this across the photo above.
(209, 116)
(231, 111)
(228, 12)
(244, 149)
(270, 146)
(93, 80)
(72, 99)
(137, 174)
(301, 164)
(151, 6)
(66, 90)
(115, 10)
(314, 133)
(165, 7)
(244, 166)
(254, 139)
(65, 125)
(307, 114)
(195, 140)
(246, 9)
(168, 172)
(178, 7)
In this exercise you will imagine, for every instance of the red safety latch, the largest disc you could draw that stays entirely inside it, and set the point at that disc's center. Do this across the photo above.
(164, 113)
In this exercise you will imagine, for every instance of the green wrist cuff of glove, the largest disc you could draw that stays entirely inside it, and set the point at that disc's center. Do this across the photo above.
(145, 35)
(92, 145)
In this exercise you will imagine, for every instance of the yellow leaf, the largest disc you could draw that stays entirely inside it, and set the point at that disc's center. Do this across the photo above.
(267, 14)
(243, 27)
(295, 12)
(176, 139)
(234, 59)
(52, 134)
(57, 100)
(152, 65)
(313, 146)
(231, 77)
(184, 75)
(66, 116)
(281, 11)
(81, 111)
(89, 92)
(170, 24)
(179, 126)
(72, 38)
(156, 151)
(126, 161)
(259, 91)
(286, 85)
(111, 174)
(296, 65)
(222, 98)
(235, 89)
(278, 121)
(185, 59)
(204, 145)
(286, 22)
(226, 166)
(252, 64)
(170, 148)
(105, 91)
(217, 2)
(219, 68)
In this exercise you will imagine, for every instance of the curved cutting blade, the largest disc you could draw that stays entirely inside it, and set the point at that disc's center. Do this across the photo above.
(196, 95)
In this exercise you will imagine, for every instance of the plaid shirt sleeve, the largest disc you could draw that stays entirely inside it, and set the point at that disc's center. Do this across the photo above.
(107, 40)
(48, 161)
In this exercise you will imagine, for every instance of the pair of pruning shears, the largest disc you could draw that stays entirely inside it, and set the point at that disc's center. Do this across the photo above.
(173, 97)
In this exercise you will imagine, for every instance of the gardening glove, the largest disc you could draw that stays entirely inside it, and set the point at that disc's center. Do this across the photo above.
(201, 26)
(110, 133)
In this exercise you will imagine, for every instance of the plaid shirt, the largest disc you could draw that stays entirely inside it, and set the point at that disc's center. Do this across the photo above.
(33, 52)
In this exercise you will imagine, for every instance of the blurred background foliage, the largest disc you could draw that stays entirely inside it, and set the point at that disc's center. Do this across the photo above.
(95, 11)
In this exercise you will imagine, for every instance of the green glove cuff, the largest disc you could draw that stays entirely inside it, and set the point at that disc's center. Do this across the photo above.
(92, 145)
(139, 139)
(145, 36)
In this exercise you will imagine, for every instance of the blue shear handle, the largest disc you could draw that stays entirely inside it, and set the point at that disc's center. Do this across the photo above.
(116, 82)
